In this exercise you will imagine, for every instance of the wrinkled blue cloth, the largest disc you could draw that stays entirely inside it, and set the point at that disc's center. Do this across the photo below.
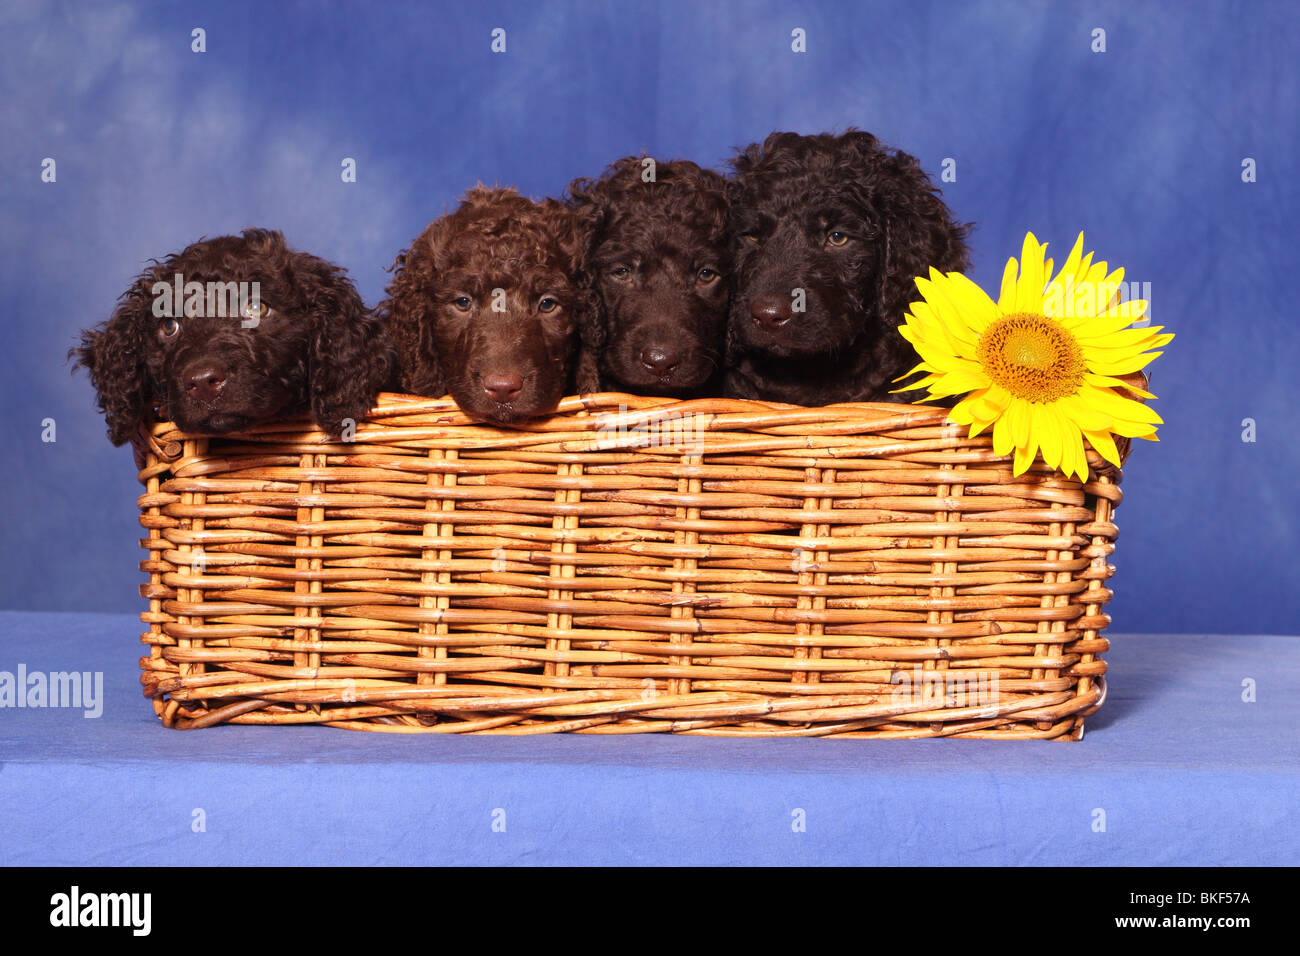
(1177, 768)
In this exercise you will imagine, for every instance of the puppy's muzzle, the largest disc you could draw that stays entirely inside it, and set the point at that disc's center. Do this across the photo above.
(204, 383)
(770, 312)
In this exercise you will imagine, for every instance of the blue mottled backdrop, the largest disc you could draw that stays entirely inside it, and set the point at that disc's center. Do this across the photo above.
(1143, 145)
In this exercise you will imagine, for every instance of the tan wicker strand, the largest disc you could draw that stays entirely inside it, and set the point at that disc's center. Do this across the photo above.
(628, 565)
(436, 597)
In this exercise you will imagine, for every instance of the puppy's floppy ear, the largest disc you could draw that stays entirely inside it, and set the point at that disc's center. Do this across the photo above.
(590, 208)
(917, 230)
(885, 292)
(115, 353)
(350, 360)
(591, 342)
(406, 316)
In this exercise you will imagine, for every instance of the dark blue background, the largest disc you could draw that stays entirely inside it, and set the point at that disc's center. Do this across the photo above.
(1141, 146)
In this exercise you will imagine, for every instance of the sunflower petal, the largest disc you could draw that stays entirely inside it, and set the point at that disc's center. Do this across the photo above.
(1122, 366)
(1017, 416)
(1002, 443)
(1099, 328)
(983, 405)
(938, 321)
(1113, 286)
(961, 414)
(1106, 381)
(1007, 297)
(1133, 429)
(1105, 446)
(1029, 289)
(1122, 409)
(916, 387)
(1070, 268)
(1133, 308)
(1081, 272)
(1073, 451)
(1024, 458)
(1047, 427)
(936, 355)
(965, 379)
(919, 367)
(1077, 410)
(977, 309)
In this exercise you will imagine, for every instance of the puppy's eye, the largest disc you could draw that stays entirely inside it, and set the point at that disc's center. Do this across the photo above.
(750, 236)
(462, 303)
(256, 310)
(169, 328)
(548, 304)
(836, 238)
(620, 272)
(706, 276)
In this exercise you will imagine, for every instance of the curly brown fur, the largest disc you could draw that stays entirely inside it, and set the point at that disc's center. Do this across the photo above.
(486, 304)
(211, 368)
(851, 224)
(657, 257)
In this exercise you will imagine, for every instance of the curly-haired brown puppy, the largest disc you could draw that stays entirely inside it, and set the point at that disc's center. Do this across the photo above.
(486, 304)
(214, 353)
(657, 256)
(830, 232)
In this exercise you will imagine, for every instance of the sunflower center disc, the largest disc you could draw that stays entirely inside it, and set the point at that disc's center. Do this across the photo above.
(1031, 357)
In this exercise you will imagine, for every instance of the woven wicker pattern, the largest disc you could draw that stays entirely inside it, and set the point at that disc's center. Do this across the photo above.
(628, 565)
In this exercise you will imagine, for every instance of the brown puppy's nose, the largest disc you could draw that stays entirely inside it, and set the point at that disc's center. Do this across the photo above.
(502, 386)
(659, 359)
(205, 383)
(772, 311)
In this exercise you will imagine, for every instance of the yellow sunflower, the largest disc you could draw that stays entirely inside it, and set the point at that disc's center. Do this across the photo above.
(1040, 363)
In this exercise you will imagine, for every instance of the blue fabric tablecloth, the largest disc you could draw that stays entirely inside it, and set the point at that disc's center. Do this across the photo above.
(1177, 768)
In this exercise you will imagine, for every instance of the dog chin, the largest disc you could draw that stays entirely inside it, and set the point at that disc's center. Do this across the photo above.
(779, 347)
(499, 416)
(510, 414)
(676, 383)
(215, 423)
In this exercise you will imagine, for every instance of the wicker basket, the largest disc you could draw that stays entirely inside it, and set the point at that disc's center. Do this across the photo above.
(628, 565)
